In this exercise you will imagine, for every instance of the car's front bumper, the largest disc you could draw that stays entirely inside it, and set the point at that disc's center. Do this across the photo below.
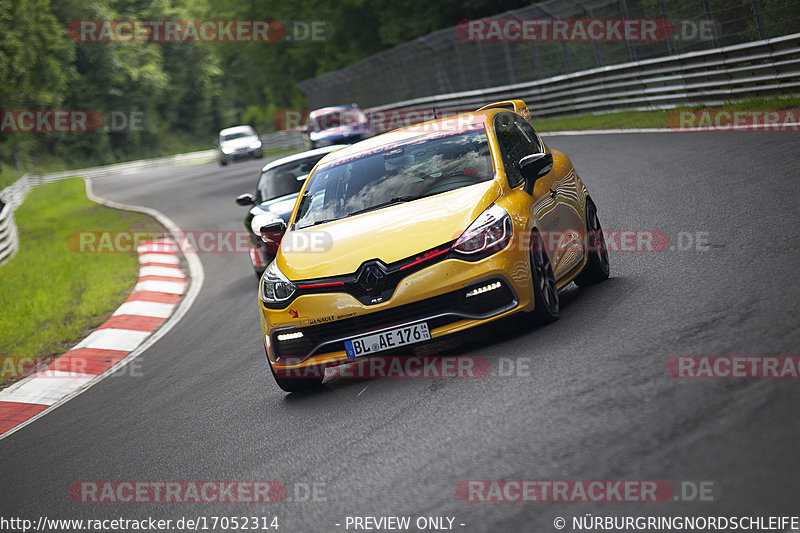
(245, 153)
(436, 294)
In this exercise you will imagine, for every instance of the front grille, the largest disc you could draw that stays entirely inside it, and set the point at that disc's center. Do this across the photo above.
(385, 280)
(452, 307)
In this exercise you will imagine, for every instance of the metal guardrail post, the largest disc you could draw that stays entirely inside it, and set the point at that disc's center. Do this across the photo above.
(762, 27)
(710, 19)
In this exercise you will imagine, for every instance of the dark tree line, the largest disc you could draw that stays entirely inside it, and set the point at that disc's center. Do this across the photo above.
(185, 92)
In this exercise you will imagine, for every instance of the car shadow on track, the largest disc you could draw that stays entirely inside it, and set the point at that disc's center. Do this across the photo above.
(438, 354)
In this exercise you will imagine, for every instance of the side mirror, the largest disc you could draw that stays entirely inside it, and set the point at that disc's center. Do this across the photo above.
(246, 199)
(535, 166)
(272, 234)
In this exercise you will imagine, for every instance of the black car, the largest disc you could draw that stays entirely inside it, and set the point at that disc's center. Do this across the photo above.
(274, 199)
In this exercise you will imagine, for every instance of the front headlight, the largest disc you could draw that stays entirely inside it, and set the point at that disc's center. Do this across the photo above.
(255, 145)
(274, 286)
(226, 150)
(488, 234)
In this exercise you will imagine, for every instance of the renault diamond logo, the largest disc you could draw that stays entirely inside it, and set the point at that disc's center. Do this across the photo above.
(371, 279)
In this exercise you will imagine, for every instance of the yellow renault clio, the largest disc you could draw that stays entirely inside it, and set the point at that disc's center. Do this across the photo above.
(423, 232)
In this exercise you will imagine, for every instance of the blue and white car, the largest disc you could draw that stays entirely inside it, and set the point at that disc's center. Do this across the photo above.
(338, 125)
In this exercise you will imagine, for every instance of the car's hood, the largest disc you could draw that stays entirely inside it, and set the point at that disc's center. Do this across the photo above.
(389, 234)
(241, 142)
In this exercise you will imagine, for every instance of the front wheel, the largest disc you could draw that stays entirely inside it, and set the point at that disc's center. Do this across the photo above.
(545, 291)
(597, 266)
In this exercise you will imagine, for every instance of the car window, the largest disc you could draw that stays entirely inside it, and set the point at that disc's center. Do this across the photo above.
(285, 179)
(530, 135)
(421, 166)
(513, 146)
(237, 135)
(337, 119)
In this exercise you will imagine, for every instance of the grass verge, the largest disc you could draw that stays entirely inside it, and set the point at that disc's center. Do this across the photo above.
(653, 119)
(51, 296)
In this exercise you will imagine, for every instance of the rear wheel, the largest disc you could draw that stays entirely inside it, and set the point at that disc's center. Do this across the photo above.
(545, 292)
(597, 266)
(301, 379)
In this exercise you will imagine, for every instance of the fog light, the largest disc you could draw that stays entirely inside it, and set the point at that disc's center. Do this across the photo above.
(290, 336)
(485, 288)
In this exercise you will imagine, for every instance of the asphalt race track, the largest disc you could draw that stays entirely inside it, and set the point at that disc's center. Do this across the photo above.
(592, 399)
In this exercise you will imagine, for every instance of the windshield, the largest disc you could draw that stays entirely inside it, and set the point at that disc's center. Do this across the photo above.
(237, 135)
(337, 119)
(401, 172)
(285, 179)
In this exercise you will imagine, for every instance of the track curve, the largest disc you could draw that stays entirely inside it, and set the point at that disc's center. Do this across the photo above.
(595, 402)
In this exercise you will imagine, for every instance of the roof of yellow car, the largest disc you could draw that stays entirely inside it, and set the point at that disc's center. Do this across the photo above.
(448, 123)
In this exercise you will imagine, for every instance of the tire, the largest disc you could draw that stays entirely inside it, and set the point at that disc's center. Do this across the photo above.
(223, 162)
(597, 267)
(545, 291)
(313, 379)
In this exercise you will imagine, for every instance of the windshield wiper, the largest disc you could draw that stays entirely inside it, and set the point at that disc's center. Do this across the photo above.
(393, 201)
(318, 222)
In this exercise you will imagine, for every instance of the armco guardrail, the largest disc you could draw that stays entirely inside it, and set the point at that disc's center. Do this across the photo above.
(710, 77)
(284, 139)
(13, 195)
(8, 233)
(454, 59)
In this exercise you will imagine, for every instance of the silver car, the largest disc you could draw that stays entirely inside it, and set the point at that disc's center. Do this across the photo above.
(238, 142)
